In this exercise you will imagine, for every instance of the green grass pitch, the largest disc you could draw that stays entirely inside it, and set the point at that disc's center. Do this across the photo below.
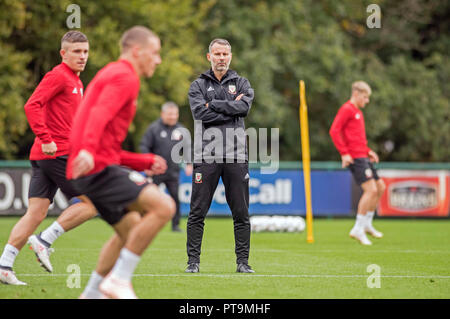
(414, 261)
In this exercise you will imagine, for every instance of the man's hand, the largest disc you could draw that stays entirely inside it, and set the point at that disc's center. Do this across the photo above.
(207, 104)
(346, 160)
(373, 157)
(49, 149)
(188, 169)
(159, 166)
(82, 164)
(239, 97)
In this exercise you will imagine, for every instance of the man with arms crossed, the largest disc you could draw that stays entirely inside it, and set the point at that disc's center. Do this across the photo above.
(50, 111)
(349, 136)
(220, 99)
(135, 209)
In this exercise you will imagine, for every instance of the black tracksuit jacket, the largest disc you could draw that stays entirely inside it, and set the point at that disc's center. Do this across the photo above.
(223, 110)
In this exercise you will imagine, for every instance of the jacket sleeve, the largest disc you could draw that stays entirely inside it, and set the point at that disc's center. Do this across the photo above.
(336, 130)
(239, 108)
(199, 110)
(146, 144)
(49, 87)
(138, 162)
(110, 101)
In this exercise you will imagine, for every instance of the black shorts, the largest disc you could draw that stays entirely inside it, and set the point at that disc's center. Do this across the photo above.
(49, 175)
(112, 190)
(363, 170)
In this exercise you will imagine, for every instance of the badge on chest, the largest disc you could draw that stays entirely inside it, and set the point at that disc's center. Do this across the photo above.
(232, 89)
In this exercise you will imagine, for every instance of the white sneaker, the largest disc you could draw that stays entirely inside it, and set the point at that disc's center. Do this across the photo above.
(117, 288)
(360, 235)
(373, 232)
(8, 277)
(42, 252)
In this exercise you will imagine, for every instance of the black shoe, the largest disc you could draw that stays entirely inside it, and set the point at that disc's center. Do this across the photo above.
(194, 267)
(244, 268)
(177, 229)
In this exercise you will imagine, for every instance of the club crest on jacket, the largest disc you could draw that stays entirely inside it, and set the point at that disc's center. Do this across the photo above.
(198, 178)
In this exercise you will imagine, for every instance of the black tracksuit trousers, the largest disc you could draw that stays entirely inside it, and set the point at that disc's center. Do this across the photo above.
(205, 178)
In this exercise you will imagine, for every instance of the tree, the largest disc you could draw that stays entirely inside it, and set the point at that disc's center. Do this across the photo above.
(13, 81)
(33, 35)
(275, 44)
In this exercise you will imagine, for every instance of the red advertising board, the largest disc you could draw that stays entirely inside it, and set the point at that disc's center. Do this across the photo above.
(415, 193)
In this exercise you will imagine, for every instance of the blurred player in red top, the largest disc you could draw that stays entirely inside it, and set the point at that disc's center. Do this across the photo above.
(50, 111)
(135, 209)
(349, 136)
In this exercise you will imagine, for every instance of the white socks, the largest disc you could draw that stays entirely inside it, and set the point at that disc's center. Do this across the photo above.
(91, 291)
(9, 256)
(51, 233)
(364, 221)
(369, 217)
(125, 265)
(360, 221)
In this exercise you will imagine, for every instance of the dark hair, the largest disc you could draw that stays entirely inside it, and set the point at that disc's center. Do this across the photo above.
(74, 36)
(219, 41)
(137, 34)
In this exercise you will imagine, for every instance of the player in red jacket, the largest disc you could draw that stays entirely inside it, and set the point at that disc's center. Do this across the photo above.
(349, 136)
(50, 111)
(135, 209)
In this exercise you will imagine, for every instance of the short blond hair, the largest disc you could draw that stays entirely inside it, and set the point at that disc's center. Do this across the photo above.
(135, 35)
(361, 86)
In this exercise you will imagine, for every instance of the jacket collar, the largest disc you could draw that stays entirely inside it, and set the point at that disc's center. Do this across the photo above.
(162, 123)
(69, 70)
(231, 74)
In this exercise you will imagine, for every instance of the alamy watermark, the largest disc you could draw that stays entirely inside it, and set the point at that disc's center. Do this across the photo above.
(74, 279)
(73, 21)
(228, 145)
(374, 280)
(374, 19)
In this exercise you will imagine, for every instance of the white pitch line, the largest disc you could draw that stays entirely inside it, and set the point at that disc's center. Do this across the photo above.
(220, 250)
(248, 276)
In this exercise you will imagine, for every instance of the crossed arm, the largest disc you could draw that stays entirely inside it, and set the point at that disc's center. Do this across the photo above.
(200, 110)
(240, 106)
(217, 111)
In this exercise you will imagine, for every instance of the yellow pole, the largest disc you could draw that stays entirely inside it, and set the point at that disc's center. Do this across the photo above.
(303, 110)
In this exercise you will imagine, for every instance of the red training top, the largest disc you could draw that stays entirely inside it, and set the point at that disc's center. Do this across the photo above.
(51, 108)
(102, 120)
(348, 131)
